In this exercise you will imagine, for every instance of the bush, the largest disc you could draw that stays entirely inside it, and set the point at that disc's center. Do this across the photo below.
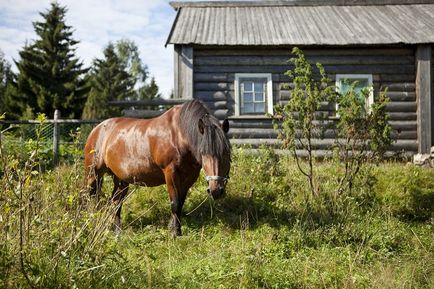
(361, 134)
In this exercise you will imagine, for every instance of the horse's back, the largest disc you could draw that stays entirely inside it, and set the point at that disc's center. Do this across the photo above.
(134, 150)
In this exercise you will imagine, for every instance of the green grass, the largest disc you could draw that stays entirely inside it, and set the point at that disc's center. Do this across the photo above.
(262, 235)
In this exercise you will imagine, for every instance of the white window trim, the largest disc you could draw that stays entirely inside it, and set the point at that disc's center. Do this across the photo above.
(339, 77)
(269, 95)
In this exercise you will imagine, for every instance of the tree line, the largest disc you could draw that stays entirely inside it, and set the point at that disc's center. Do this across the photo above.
(51, 76)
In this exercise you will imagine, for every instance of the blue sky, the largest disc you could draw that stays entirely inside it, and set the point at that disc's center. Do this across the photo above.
(95, 23)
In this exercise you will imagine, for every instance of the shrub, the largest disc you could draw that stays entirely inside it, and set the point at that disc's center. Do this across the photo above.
(361, 134)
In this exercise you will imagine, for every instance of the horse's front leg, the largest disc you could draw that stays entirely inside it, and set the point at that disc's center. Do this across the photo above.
(177, 198)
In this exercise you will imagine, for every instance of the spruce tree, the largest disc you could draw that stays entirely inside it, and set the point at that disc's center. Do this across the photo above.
(109, 80)
(150, 91)
(9, 104)
(50, 75)
(4, 68)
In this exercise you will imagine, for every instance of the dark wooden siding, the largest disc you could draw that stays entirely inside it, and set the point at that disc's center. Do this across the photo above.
(394, 68)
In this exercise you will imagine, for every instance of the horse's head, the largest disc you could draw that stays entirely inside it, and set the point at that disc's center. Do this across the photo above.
(216, 158)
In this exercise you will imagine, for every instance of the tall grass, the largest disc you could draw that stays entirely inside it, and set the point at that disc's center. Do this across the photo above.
(262, 235)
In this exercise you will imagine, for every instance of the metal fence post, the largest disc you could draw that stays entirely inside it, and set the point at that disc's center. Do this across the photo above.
(56, 137)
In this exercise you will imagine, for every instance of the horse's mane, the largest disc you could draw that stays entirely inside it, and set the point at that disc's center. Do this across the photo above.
(213, 141)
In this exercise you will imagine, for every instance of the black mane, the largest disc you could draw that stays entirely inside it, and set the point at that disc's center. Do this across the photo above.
(213, 141)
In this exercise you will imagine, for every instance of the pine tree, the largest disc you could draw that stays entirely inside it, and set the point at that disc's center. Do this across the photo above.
(50, 75)
(109, 80)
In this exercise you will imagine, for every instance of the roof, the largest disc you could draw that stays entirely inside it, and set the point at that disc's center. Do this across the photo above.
(303, 22)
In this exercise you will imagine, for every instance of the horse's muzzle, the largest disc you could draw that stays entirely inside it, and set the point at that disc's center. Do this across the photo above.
(216, 194)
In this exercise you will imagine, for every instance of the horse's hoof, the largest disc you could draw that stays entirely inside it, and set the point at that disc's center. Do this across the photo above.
(176, 234)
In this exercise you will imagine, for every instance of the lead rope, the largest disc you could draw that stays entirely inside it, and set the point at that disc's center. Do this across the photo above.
(211, 204)
(189, 213)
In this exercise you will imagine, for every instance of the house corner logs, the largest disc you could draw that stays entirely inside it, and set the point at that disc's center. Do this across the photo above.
(423, 95)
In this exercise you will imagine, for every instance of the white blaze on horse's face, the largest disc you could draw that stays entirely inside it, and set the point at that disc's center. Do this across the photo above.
(216, 168)
(216, 174)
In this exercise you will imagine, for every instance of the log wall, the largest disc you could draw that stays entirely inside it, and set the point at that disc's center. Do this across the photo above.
(393, 68)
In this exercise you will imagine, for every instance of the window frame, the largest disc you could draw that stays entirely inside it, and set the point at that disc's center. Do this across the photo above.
(369, 77)
(268, 92)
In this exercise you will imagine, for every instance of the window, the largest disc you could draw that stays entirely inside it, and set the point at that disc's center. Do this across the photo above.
(362, 81)
(253, 94)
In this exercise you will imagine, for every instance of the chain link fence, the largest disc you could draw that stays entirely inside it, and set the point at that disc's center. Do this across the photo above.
(57, 140)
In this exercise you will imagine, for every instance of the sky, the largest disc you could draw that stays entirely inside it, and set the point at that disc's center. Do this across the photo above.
(95, 24)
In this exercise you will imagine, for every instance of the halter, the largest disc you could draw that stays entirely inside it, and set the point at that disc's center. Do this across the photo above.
(216, 178)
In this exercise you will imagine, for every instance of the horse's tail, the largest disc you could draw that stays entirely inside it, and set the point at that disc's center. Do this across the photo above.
(92, 161)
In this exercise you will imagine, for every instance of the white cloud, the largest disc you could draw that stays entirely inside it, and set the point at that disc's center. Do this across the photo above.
(95, 23)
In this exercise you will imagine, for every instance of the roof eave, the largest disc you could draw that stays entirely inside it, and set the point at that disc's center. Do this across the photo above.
(204, 4)
(168, 41)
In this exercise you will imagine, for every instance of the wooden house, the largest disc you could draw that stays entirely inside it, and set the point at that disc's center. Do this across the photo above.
(233, 55)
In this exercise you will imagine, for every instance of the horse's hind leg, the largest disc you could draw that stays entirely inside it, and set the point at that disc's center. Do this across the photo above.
(120, 190)
(94, 183)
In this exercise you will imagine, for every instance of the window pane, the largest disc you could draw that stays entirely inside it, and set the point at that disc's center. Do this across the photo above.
(259, 107)
(253, 94)
(248, 108)
(259, 97)
(248, 97)
(259, 86)
(248, 86)
(359, 85)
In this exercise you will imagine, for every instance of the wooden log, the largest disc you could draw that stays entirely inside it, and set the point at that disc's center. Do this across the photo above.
(242, 133)
(285, 95)
(408, 77)
(252, 133)
(406, 145)
(256, 142)
(403, 125)
(321, 154)
(398, 86)
(403, 115)
(213, 86)
(221, 113)
(209, 96)
(401, 106)
(401, 96)
(250, 123)
(411, 134)
(214, 105)
(284, 60)
(325, 144)
(343, 69)
(147, 102)
(210, 77)
(142, 113)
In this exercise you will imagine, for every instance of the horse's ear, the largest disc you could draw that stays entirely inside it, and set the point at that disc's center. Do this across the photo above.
(201, 126)
(225, 125)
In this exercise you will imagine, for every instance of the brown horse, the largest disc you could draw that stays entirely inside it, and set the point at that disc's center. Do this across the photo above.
(169, 149)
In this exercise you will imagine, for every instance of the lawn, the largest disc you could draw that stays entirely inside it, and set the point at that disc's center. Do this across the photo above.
(268, 232)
